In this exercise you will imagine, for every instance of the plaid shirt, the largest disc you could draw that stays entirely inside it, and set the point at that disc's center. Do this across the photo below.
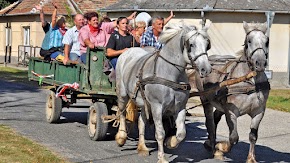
(148, 39)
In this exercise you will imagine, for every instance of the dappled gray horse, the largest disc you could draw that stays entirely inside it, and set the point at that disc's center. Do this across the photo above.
(158, 84)
(247, 97)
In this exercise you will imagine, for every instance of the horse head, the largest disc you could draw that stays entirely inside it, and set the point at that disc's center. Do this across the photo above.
(197, 43)
(256, 45)
(193, 44)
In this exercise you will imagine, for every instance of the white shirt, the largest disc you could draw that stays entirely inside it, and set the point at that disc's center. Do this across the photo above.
(71, 38)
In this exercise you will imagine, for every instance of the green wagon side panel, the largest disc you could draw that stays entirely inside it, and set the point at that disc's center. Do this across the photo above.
(96, 78)
(62, 73)
(89, 76)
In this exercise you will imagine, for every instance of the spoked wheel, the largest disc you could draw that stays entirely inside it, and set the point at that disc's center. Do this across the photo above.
(53, 108)
(96, 128)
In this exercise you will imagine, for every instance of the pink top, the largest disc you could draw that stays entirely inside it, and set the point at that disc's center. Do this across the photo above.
(100, 38)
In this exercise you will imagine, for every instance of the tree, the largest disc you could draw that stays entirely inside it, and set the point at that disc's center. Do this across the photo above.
(3, 4)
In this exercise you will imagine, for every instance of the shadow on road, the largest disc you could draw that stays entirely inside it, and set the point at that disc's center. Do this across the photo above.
(15, 87)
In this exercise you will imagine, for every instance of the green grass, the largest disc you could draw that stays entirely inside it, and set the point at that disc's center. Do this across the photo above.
(279, 99)
(12, 74)
(15, 148)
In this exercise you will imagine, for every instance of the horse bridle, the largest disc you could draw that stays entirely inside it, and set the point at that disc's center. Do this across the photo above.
(246, 46)
(186, 39)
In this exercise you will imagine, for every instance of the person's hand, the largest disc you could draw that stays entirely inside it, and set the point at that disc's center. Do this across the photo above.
(65, 60)
(132, 16)
(54, 4)
(38, 7)
(124, 50)
(171, 14)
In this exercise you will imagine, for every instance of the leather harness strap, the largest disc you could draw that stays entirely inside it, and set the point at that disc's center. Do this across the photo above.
(140, 85)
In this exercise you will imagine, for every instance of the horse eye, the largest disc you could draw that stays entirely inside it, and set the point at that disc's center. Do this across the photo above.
(267, 44)
(249, 41)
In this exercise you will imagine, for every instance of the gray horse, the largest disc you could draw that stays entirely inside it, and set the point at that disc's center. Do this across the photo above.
(247, 97)
(158, 84)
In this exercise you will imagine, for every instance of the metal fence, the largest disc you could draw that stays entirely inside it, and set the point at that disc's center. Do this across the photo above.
(26, 51)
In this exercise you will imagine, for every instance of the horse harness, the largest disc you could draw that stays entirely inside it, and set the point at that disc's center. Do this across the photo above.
(231, 89)
(140, 85)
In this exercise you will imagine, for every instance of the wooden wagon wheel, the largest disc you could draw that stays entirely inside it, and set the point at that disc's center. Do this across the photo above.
(96, 128)
(53, 108)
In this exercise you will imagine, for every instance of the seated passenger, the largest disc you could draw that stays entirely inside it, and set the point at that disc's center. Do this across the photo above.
(120, 41)
(94, 35)
(152, 33)
(71, 42)
(44, 51)
(138, 31)
(58, 29)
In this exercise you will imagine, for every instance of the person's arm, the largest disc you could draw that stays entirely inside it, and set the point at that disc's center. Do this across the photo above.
(53, 17)
(41, 15)
(89, 44)
(166, 20)
(115, 53)
(84, 37)
(132, 16)
(66, 53)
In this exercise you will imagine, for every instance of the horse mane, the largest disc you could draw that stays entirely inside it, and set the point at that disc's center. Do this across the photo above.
(169, 32)
(257, 26)
(239, 53)
(175, 28)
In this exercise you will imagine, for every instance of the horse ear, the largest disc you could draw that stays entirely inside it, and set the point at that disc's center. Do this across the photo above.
(207, 25)
(246, 26)
(265, 27)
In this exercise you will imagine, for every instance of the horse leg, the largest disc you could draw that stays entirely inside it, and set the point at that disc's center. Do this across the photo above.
(225, 146)
(217, 117)
(173, 141)
(253, 136)
(159, 132)
(142, 149)
(121, 136)
(210, 126)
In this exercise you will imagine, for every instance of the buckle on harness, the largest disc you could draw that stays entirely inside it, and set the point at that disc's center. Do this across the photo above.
(185, 87)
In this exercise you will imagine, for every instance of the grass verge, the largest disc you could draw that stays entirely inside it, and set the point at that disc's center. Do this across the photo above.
(279, 99)
(15, 148)
(16, 75)
(12, 74)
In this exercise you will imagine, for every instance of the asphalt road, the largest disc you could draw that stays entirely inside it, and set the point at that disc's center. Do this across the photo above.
(22, 108)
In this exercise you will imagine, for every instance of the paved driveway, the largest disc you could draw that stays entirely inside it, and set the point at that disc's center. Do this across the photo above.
(22, 108)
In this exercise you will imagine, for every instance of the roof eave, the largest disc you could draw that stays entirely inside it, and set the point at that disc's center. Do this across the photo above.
(192, 10)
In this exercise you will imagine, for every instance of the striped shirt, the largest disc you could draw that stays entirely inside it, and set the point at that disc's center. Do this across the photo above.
(55, 38)
(148, 39)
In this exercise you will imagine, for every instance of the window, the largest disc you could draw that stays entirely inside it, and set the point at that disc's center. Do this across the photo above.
(26, 35)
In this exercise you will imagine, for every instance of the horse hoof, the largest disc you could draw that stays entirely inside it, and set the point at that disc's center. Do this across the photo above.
(251, 159)
(121, 138)
(207, 146)
(223, 146)
(219, 155)
(143, 153)
(171, 142)
(163, 160)
(142, 150)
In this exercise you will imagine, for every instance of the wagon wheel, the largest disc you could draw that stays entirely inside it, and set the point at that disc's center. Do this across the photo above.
(53, 108)
(96, 128)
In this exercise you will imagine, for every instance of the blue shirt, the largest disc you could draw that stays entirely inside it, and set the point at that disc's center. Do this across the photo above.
(55, 38)
(45, 42)
(148, 39)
